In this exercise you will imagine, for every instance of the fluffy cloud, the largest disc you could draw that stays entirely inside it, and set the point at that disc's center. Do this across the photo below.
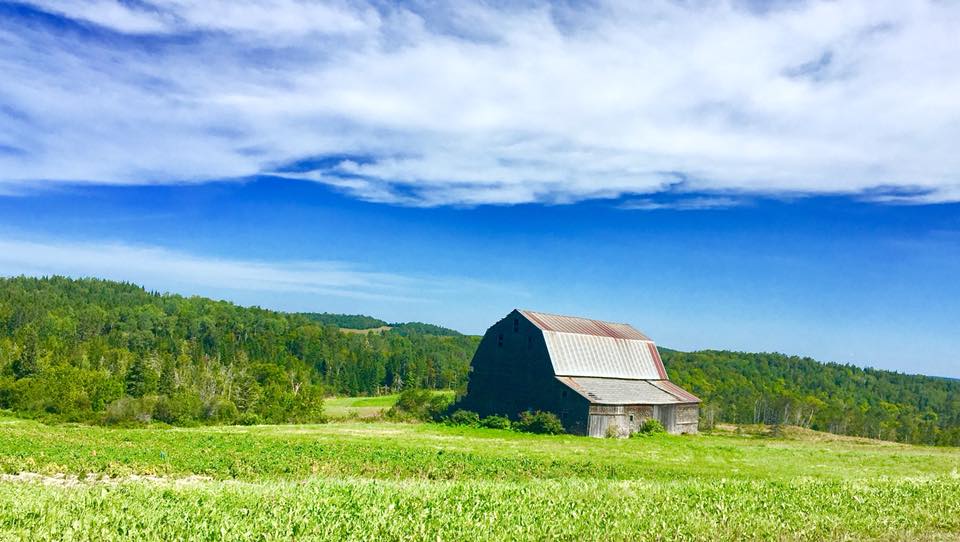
(474, 104)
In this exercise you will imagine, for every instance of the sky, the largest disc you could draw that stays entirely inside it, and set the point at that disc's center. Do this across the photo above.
(757, 176)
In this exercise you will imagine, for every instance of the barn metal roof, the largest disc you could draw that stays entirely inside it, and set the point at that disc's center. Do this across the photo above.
(583, 326)
(584, 347)
(621, 391)
(674, 389)
(590, 355)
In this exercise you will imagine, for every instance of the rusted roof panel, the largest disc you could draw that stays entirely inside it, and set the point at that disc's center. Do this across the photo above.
(583, 326)
(592, 355)
(619, 391)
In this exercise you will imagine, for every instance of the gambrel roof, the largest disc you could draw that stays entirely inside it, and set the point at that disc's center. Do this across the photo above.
(606, 362)
(584, 347)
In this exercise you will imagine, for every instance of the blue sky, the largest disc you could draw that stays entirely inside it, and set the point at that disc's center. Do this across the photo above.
(760, 177)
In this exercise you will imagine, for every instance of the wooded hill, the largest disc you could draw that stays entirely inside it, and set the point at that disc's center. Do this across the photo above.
(90, 349)
(744, 388)
(362, 321)
(93, 350)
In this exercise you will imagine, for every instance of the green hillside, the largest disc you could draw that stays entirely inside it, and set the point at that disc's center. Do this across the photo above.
(362, 321)
(93, 350)
(348, 321)
(413, 328)
(745, 388)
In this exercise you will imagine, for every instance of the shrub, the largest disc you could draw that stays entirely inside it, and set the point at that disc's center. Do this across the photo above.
(615, 431)
(545, 423)
(496, 422)
(419, 405)
(306, 406)
(651, 427)
(223, 411)
(131, 410)
(249, 418)
(464, 417)
(179, 408)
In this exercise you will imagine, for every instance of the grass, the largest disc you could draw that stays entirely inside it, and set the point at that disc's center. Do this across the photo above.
(340, 408)
(364, 481)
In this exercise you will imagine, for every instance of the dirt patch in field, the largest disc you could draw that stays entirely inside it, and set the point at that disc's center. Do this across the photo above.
(72, 480)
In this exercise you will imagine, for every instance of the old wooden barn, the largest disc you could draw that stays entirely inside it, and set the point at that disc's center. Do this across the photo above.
(594, 375)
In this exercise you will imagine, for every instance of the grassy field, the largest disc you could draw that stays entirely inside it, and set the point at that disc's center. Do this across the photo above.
(339, 408)
(362, 481)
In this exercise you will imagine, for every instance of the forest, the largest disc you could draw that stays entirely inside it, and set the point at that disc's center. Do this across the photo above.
(94, 350)
(100, 351)
(362, 321)
(775, 389)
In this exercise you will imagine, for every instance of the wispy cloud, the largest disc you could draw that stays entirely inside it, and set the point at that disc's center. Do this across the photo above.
(688, 204)
(155, 265)
(488, 104)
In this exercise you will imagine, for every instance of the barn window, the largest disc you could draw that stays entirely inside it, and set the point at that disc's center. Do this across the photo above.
(631, 418)
(516, 325)
(499, 339)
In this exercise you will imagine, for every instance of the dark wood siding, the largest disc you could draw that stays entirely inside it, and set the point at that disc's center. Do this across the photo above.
(511, 372)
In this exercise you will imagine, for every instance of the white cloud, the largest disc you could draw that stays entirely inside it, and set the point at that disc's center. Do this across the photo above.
(478, 104)
(155, 266)
(688, 204)
(266, 17)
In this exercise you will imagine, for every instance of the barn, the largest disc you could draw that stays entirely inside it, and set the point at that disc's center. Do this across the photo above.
(594, 375)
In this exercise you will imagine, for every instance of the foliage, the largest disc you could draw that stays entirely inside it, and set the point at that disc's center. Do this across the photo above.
(775, 389)
(413, 510)
(419, 328)
(416, 404)
(495, 422)
(346, 321)
(70, 348)
(130, 409)
(361, 321)
(464, 417)
(545, 423)
(614, 431)
(429, 481)
(651, 426)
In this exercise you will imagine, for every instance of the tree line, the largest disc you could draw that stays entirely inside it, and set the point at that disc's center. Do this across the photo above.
(362, 321)
(90, 350)
(742, 388)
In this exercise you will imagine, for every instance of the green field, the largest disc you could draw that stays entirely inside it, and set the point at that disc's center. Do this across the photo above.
(339, 408)
(383, 481)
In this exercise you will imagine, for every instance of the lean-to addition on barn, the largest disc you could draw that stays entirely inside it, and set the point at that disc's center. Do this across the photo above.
(594, 375)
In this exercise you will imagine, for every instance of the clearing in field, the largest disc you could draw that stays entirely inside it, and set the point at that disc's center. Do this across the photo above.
(363, 481)
(346, 408)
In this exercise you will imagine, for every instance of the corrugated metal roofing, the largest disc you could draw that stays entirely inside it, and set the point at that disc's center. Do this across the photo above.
(619, 391)
(606, 362)
(674, 389)
(583, 326)
(592, 355)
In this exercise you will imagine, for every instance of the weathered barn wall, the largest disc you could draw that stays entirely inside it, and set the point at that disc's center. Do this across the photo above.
(511, 372)
(627, 419)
